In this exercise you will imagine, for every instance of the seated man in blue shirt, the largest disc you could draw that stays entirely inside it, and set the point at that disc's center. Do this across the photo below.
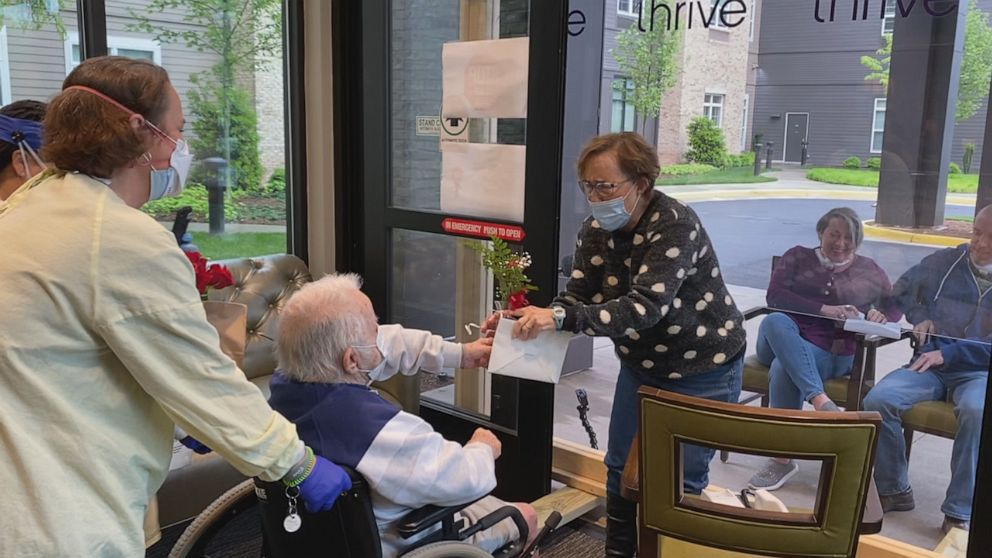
(946, 299)
(329, 349)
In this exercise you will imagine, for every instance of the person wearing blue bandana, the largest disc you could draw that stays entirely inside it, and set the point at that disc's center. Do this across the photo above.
(646, 276)
(20, 142)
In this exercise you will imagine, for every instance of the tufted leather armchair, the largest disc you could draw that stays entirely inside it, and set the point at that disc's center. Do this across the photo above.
(264, 285)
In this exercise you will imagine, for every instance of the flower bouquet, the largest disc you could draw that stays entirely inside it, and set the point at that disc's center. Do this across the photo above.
(507, 267)
(209, 275)
(230, 319)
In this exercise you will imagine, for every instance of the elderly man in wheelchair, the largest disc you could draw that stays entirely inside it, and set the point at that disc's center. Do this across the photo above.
(329, 352)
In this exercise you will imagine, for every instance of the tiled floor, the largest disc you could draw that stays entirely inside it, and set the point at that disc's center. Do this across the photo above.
(929, 466)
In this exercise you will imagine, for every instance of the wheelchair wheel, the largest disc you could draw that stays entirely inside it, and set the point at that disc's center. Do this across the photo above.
(448, 549)
(196, 539)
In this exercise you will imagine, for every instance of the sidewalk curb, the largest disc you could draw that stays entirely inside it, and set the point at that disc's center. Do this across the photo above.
(773, 193)
(872, 231)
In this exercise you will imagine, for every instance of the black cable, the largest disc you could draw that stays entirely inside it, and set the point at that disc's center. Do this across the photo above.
(584, 416)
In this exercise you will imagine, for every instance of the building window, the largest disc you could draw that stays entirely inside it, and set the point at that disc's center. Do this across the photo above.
(889, 21)
(747, 102)
(717, 21)
(623, 108)
(750, 28)
(629, 8)
(878, 126)
(713, 108)
(131, 47)
(5, 94)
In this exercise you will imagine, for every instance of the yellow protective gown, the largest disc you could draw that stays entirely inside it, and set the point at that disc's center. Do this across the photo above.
(103, 345)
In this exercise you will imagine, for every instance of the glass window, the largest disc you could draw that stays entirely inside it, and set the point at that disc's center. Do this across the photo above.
(744, 113)
(220, 64)
(717, 21)
(889, 20)
(772, 91)
(630, 8)
(713, 108)
(752, 15)
(132, 47)
(623, 108)
(878, 126)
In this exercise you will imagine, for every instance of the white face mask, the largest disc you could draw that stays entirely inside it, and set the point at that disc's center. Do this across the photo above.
(374, 374)
(170, 181)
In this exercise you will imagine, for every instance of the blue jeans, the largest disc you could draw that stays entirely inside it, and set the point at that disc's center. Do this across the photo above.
(722, 383)
(902, 389)
(797, 368)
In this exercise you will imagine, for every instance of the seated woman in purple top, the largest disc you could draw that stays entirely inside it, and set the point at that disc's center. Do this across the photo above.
(814, 288)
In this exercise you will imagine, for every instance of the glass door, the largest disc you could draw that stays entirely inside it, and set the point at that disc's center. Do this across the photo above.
(460, 126)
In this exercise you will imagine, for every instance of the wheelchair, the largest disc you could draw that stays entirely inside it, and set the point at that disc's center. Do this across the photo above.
(348, 529)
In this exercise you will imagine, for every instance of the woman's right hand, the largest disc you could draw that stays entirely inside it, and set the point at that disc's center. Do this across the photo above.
(840, 312)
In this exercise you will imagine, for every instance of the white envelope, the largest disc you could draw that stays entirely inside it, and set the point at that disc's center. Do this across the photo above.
(538, 359)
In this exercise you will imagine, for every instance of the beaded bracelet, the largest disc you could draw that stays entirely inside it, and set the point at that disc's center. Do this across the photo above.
(299, 472)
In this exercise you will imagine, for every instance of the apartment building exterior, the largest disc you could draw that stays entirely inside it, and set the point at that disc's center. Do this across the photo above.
(712, 81)
(809, 84)
(34, 62)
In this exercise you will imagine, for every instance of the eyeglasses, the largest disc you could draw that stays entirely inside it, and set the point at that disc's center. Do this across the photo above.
(600, 189)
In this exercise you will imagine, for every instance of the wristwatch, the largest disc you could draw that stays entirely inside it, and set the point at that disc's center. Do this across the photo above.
(559, 315)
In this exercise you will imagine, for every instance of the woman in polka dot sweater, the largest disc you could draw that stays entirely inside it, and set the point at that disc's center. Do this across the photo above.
(646, 276)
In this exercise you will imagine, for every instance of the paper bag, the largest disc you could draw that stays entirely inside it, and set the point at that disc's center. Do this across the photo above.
(538, 359)
(230, 319)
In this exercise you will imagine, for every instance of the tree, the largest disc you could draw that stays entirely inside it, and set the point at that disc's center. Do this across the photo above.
(244, 34)
(32, 14)
(976, 67)
(648, 60)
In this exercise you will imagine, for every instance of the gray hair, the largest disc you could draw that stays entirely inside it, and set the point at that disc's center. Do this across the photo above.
(849, 216)
(318, 324)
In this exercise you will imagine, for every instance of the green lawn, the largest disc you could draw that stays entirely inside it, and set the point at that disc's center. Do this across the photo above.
(960, 183)
(736, 175)
(239, 245)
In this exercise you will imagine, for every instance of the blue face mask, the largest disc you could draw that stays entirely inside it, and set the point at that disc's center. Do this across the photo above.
(612, 214)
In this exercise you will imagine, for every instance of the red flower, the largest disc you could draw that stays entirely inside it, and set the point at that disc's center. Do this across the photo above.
(216, 275)
(220, 276)
(518, 300)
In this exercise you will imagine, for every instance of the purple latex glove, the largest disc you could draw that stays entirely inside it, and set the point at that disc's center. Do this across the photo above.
(323, 486)
(195, 445)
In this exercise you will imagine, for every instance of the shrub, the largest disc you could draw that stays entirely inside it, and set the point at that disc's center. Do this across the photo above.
(706, 142)
(195, 196)
(246, 163)
(969, 156)
(954, 169)
(874, 163)
(745, 159)
(686, 169)
(276, 185)
(852, 163)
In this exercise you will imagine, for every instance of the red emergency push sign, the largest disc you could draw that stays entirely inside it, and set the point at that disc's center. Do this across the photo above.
(482, 229)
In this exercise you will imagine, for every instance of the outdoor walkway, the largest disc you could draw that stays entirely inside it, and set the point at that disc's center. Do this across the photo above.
(792, 183)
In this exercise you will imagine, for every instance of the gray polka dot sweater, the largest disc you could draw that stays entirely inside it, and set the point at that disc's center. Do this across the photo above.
(656, 291)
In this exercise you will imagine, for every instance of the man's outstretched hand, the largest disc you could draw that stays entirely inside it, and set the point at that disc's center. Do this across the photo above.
(476, 353)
